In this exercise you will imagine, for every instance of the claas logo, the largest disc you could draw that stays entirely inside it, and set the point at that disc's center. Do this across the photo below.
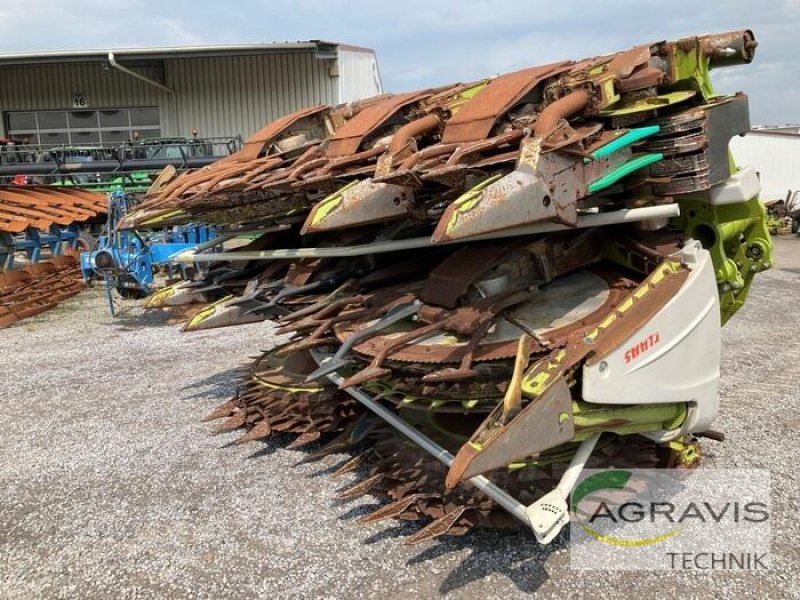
(641, 347)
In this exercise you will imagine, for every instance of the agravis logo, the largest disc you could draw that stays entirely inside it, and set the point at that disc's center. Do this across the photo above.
(608, 480)
(668, 519)
(672, 515)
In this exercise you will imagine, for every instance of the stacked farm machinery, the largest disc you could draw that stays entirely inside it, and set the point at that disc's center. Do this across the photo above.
(128, 261)
(41, 231)
(54, 240)
(486, 286)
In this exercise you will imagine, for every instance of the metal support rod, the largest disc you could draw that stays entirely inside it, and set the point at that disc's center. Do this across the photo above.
(208, 245)
(229, 236)
(617, 217)
(577, 464)
(503, 498)
(114, 64)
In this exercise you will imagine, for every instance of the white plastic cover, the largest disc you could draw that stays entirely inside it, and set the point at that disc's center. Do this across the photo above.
(739, 187)
(672, 358)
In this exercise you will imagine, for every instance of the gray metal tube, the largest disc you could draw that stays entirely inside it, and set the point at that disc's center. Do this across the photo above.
(114, 64)
(234, 234)
(617, 217)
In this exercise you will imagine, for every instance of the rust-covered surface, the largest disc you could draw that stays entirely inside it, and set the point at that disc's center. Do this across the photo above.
(254, 146)
(39, 207)
(347, 140)
(476, 120)
(447, 248)
(36, 288)
(450, 137)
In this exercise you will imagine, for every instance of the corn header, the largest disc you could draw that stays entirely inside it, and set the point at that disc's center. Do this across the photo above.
(487, 285)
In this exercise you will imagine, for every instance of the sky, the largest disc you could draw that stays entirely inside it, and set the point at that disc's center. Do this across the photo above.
(421, 43)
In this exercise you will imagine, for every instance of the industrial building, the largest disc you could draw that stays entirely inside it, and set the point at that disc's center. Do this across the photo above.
(775, 155)
(101, 97)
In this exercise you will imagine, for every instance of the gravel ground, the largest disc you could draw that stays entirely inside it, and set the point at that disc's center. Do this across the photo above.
(111, 487)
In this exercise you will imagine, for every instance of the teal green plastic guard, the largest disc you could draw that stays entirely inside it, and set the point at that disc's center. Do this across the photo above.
(620, 172)
(631, 137)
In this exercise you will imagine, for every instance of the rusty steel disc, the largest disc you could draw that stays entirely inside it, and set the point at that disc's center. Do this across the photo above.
(574, 301)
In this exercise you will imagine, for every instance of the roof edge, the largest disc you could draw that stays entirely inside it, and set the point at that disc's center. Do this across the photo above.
(323, 49)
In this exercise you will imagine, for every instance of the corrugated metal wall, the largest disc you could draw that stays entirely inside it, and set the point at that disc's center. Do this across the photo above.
(776, 157)
(42, 87)
(358, 75)
(240, 94)
(227, 96)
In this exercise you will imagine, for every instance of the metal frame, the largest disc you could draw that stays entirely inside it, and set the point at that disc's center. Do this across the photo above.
(125, 157)
(32, 241)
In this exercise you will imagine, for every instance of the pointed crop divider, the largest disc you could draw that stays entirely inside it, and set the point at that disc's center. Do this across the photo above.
(630, 137)
(544, 186)
(184, 292)
(506, 435)
(521, 197)
(223, 410)
(358, 203)
(316, 306)
(627, 167)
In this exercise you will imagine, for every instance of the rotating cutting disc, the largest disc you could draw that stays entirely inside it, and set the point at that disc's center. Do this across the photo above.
(576, 300)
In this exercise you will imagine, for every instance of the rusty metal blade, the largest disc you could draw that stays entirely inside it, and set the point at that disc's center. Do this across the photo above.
(436, 528)
(361, 488)
(223, 410)
(351, 465)
(261, 431)
(339, 444)
(304, 438)
(234, 422)
(394, 509)
(520, 198)
(365, 375)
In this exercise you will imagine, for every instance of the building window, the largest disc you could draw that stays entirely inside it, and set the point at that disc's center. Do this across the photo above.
(84, 127)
